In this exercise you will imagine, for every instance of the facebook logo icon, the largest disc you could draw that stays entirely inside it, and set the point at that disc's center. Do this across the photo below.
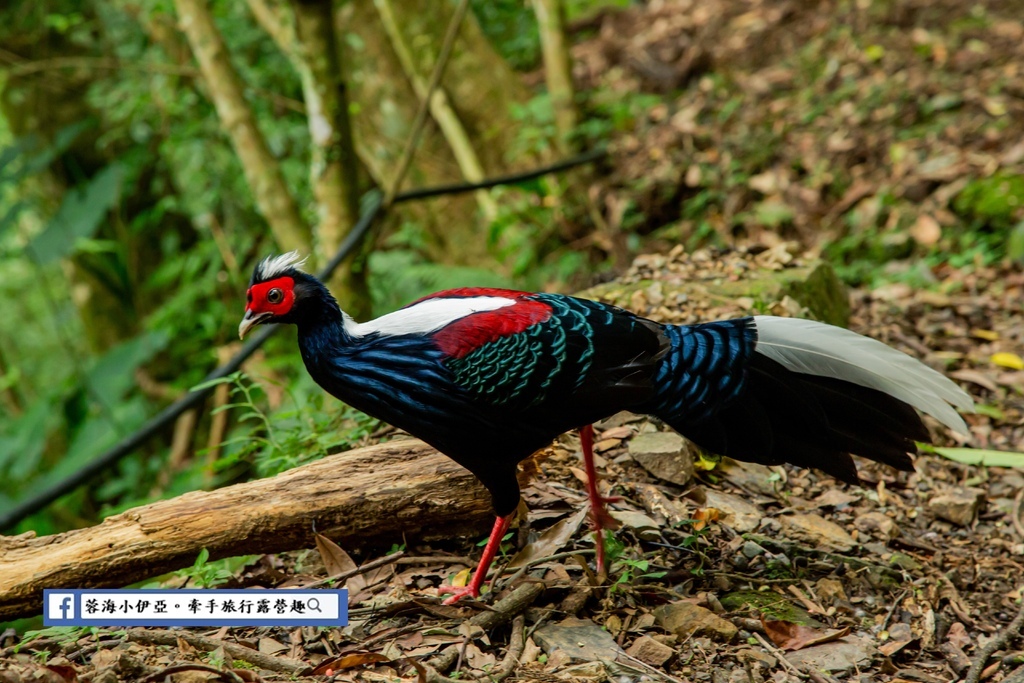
(60, 608)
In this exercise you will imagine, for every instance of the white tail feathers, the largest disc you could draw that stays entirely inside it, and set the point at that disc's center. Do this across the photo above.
(824, 350)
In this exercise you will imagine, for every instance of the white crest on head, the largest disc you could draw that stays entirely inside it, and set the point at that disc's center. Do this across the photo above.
(427, 316)
(272, 266)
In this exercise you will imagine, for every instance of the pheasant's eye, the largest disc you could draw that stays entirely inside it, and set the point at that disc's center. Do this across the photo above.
(275, 296)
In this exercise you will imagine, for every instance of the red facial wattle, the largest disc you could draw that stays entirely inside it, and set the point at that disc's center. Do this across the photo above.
(258, 298)
(267, 300)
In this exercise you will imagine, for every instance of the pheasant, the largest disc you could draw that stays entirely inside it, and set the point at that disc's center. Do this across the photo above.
(489, 376)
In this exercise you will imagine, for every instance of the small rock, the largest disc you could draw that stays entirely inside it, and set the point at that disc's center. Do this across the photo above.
(959, 506)
(645, 527)
(588, 671)
(756, 656)
(750, 476)
(581, 639)
(876, 523)
(737, 513)
(844, 655)
(751, 549)
(650, 651)
(817, 531)
(665, 455)
(686, 619)
(835, 498)
(830, 591)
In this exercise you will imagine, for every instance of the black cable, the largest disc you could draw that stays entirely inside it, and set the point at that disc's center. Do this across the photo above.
(512, 179)
(370, 211)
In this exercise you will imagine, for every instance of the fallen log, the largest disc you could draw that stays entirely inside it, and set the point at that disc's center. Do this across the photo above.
(372, 494)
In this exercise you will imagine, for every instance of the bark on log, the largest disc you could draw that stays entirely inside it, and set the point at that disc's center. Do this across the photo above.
(378, 493)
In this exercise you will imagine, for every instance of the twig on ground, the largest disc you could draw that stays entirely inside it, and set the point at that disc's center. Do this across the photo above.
(1015, 516)
(505, 609)
(434, 559)
(226, 674)
(645, 667)
(233, 650)
(345, 576)
(999, 642)
(516, 644)
(1016, 677)
(779, 655)
(521, 571)
(892, 610)
(815, 676)
(89, 649)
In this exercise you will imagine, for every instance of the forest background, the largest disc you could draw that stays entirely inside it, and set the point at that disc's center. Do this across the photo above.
(154, 150)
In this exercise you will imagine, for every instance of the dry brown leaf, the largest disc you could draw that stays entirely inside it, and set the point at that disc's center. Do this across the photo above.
(337, 561)
(443, 611)
(269, 646)
(958, 636)
(348, 661)
(551, 541)
(705, 515)
(790, 636)
(623, 432)
(975, 377)
(926, 230)
(68, 673)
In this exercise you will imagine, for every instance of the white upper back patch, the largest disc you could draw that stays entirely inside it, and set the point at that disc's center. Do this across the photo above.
(427, 316)
(272, 266)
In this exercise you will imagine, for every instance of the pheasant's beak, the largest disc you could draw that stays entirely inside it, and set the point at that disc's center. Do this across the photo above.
(251, 320)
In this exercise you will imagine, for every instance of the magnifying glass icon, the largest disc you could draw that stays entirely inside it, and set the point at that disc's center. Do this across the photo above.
(313, 605)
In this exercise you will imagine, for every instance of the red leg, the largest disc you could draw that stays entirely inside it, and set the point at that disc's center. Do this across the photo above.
(599, 517)
(490, 550)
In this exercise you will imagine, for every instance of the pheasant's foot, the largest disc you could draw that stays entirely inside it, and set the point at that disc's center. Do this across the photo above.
(458, 592)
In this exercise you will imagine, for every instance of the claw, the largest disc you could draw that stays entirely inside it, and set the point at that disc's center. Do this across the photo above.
(473, 588)
(458, 593)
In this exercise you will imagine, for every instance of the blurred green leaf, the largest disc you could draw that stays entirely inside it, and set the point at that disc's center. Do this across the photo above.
(22, 446)
(114, 372)
(79, 215)
(983, 457)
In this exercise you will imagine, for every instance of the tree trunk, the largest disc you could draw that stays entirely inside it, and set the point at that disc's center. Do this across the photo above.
(557, 66)
(441, 110)
(224, 85)
(305, 34)
(368, 495)
(480, 87)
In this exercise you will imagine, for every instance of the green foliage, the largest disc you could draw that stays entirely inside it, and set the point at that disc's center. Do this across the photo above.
(78, 218)
(996, 201)
(275, 441)
(511, 26)
(206, 574)
(59, 634)
(630, 569)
